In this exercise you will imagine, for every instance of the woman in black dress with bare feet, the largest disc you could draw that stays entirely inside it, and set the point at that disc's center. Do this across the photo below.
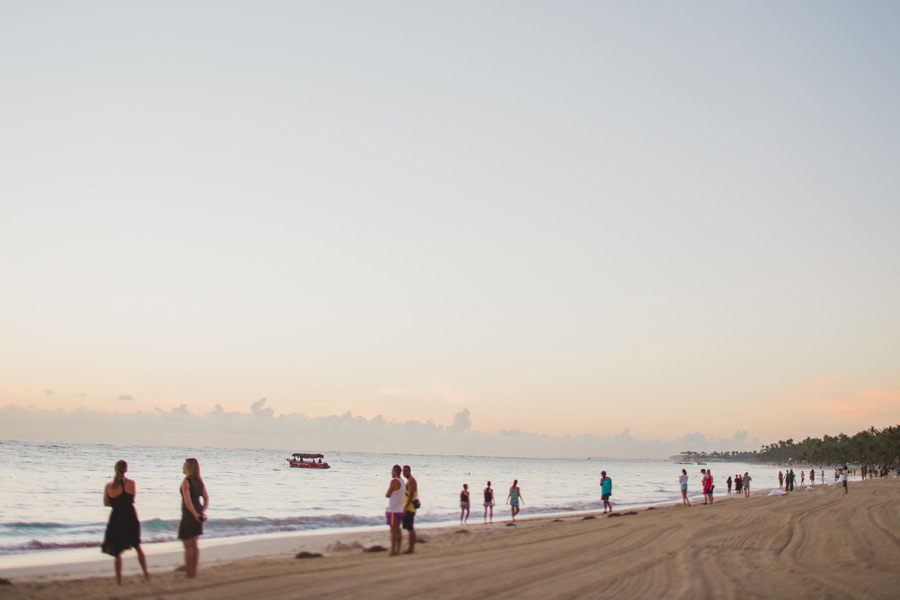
(193, 514)
(123, 530)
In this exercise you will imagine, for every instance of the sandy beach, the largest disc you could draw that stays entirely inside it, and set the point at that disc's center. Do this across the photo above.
(807, 544)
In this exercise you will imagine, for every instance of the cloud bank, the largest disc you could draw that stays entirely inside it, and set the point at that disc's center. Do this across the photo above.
(261, 428)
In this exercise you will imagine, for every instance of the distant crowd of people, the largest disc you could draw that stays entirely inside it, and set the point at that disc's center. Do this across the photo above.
(787, 480)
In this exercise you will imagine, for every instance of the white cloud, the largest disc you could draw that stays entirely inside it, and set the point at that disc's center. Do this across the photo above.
(257, 410)
(461, 421)
(334, 432)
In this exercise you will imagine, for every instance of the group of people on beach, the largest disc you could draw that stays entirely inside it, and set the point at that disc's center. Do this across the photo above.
(514, 499)
(123, 531)
(786, 481)
(741, 483)
(403, 501)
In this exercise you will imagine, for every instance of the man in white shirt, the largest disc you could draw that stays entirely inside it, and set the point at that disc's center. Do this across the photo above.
(394, 513)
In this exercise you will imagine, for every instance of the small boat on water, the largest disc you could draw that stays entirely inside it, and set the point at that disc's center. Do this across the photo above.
(307, 460)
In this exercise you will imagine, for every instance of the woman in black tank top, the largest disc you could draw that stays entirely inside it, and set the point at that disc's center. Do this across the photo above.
(464, 504)
(123, 530)
(488, 502)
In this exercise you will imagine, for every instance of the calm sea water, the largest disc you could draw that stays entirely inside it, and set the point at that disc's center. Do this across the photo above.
(51, 494)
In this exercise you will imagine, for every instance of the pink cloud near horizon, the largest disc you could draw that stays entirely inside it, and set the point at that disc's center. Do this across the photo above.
(861, 404)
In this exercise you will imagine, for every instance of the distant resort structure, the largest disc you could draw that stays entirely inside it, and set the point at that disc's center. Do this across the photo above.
(689, 457)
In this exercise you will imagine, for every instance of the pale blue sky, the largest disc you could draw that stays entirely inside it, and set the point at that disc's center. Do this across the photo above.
(567, 217)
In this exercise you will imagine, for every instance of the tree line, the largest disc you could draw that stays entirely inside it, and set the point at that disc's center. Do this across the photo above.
(870, 446)
(717, 456)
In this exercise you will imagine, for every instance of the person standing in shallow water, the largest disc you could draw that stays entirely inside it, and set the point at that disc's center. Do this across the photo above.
(488, 503)
(464, 504)
(514, 497)
(123, 530)
(193, 514)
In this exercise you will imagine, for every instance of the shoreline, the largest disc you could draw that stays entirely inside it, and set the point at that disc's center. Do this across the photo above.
(89, 561)
(80, 563)
(819, 543)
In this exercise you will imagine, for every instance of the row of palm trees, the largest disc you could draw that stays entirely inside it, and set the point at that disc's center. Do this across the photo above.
(728, 455)
(870, 446)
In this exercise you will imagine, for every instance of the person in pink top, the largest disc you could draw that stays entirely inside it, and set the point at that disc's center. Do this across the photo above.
(707, 486)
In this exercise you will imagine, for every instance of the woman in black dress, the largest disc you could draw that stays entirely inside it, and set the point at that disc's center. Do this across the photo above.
(123, 530)
(193, 514)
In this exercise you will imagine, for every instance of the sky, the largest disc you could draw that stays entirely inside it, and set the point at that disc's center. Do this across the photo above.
(663, 223)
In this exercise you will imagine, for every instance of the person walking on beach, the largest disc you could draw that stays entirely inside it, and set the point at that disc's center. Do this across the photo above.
(193, 514)
(844, 479)
(812, 477)
(410, 504)
(605, 491)
(488, 503)
(123, 530)
(683, 482)
(394, 513)
(738, 484)
(728, 483)
(746, 480)
(802, 477)
(780, 480)
(514, 497)
(464, 504)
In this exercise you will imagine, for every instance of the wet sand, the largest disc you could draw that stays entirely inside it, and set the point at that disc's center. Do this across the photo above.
(807, 544)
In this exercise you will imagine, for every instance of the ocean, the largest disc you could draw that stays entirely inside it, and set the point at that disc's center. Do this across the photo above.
(51, 495)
